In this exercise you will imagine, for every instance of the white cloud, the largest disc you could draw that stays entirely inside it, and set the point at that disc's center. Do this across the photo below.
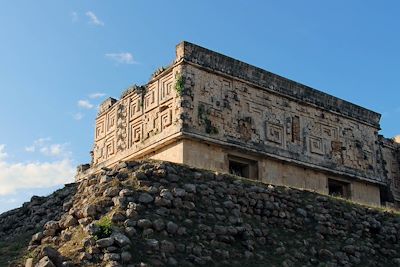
(14, 176)
(85, 104)
(41, 141)
(44, 146)
(122, 58)
(397, 139)
(56, 150)
(20, 180)
(97, 95)
(93, 19)
(30, 148)
(74, 16)
(78, 116)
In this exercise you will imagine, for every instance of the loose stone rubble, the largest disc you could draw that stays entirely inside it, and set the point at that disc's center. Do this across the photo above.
(36, 213)
(165, 214)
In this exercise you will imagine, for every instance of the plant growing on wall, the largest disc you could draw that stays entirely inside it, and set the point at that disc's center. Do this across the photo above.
(179, 84)
(159, 71)
(134, 88)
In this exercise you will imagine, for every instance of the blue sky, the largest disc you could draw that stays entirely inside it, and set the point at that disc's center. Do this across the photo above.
(60, 59)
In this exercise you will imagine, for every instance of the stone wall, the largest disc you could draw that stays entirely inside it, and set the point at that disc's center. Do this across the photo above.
(221, 106)
(270, 171)
(144, 117)
(391, 155)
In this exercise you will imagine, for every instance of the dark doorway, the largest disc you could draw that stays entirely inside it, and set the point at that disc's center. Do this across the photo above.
(339, 188)
(243, 167)
(239, 169)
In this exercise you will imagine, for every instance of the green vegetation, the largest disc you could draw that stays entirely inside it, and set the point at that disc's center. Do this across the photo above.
(13, 250)
(105, 227)
(134, 88)
(159, 71)
(179, 84)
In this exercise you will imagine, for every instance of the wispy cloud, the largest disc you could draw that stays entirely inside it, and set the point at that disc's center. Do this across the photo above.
(55, 150)
(44, 146)
(74, 16)
(30, 148)
(38, 143)
(78, 116)
(20, 175)
(96, 95)
(85, 104)
(122, 58)
(94, 19)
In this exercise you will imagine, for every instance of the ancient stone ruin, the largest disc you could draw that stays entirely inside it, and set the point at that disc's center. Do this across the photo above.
(211, 111)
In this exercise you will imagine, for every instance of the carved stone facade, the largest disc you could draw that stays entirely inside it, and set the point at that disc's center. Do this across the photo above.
(143, 118)
(211, 111)
(240, 113)
(391, 156)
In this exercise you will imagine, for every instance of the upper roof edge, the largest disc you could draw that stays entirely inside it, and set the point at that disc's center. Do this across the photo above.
(273, 82)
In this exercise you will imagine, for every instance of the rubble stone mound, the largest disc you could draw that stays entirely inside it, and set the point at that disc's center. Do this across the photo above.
(163, 214)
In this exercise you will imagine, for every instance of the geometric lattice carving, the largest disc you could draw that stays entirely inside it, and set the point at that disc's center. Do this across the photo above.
(138, 116)
(136, 133)
(110, 148)
(150, 99)
(316, 146)
(166, 118)
(315, 129)
(166, 88)
(111, 121)
(329, 132)
(274, 133)
(100, 128)
(135, 109)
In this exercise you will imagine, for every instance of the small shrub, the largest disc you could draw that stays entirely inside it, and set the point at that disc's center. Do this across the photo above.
(134, 88)
(159, 71)
(179, 84)
(105, 227)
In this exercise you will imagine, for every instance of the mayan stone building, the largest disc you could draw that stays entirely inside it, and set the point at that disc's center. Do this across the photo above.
(211, 111)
